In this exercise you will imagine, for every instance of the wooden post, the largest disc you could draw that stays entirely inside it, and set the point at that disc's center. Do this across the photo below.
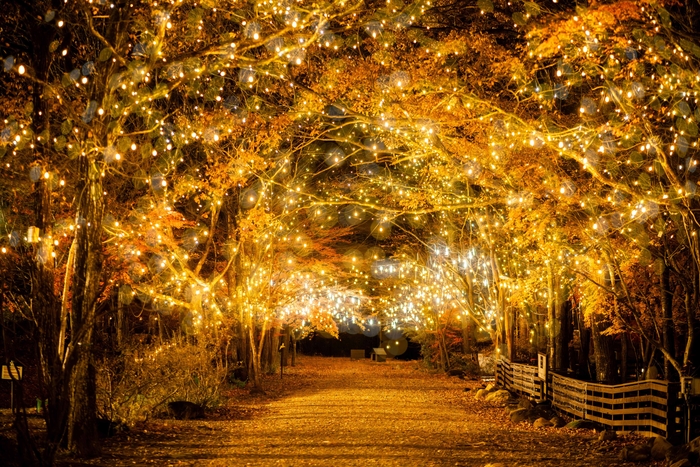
(542, 373)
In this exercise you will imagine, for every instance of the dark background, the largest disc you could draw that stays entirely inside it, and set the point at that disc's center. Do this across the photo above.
(318, 345)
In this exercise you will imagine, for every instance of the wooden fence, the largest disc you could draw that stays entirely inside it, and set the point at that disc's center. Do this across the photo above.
(521, 379)
(648, 407)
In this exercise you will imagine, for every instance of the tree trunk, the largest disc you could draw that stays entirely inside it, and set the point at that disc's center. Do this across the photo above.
(444, 359)
(509, 327)
(275, 354)
(553, 326)
(469, 325)
(652, 371)
(121, 322)
(638, 357)
(82, 429)
(561, 335)
(568, 329)
(269, 351)
(82, 433)
(467, 341)
(254, 375)
(605, 363)
(65, 366)
(244, 351)
(584, 355)
(645, 349)
(533, 333)
(667, 323)
(541, 336)
(45, 304)
(87, 265)
(623, 357)
(504, 331)
(286, 342)
(233, 278)
(501, 342)
(294, 351)
(691, 348)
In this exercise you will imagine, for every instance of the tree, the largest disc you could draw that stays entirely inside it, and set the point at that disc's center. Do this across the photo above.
(236, 162)
(128, 70)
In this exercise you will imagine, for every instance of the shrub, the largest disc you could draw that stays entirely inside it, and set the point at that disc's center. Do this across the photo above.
(143, 379)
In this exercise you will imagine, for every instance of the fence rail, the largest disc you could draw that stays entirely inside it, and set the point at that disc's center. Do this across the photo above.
(520, 378)
(648, 407)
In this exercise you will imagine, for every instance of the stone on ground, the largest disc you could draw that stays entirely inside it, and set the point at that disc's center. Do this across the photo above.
(694, 445)
(531, 415)
(542, 423)
(682, 463)
(498, 397)
(678, 453)
(525, 403)
(660, 448)
(636, 453)
(607, 435)
(519, 415)
(542, 409)
(582, 425)
(557, 421)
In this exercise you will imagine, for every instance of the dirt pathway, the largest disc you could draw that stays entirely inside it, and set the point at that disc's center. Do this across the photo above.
(342, 413)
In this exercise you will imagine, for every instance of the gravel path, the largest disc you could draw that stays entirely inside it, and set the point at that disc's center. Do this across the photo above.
(335, 412)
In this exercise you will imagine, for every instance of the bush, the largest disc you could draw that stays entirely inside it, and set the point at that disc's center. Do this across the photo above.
(452, 339)
(488, 362)
(143, 379)
(464, 363)
(430, 350)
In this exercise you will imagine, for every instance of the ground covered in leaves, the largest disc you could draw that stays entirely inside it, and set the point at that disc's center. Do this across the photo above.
(339, 412)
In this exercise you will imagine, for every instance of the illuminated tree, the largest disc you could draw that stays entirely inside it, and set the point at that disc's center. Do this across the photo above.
(122, 94)
(439, 164)
(627, 70)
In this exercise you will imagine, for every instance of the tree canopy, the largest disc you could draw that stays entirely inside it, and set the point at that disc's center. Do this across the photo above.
(518, 171)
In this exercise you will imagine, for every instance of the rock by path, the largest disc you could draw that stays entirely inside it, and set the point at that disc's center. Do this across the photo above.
(359, 413)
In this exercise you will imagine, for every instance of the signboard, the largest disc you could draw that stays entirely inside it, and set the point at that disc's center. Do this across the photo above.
(12, 372)
(542, 366)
